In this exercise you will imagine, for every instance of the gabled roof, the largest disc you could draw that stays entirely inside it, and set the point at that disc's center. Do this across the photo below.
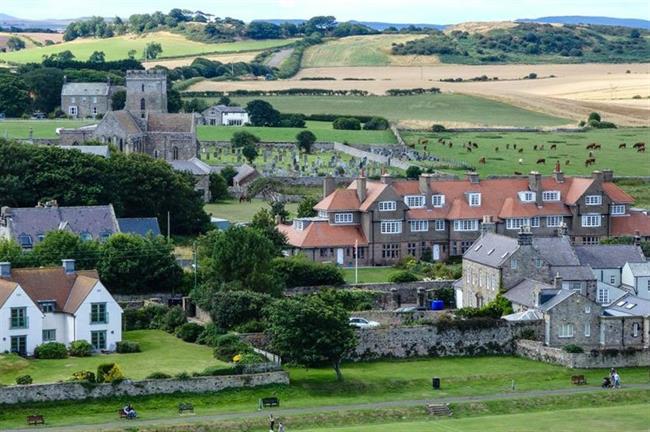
(321, 234)
(194, 166)
(6, 289)
(168, 122)
(578, 187)
(640, 269)
(491, 249)
(98, 150)
(616, 194)
(558, 298)
(527, 315)
(609, 256)
(340, 199)
(556, 251)
(139, 226)
(524, 292)
(629, 305)
(243, 172)
(224, 109)
(85, 89)
(126, 121)
(573, 273)
(628, 225)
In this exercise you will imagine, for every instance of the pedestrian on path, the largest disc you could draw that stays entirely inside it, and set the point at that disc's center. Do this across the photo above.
(281, 427)
(617, 380)
(271, 423)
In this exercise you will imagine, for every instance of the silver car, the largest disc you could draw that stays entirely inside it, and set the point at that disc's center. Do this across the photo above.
(363, 323)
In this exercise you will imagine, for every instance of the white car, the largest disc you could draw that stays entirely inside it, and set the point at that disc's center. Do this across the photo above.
(363, 323)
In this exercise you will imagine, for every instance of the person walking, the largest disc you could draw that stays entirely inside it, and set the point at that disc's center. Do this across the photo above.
(281, 427)
(617, 380)
(271, 423)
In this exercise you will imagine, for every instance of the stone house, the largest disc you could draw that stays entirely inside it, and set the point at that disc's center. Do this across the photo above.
(636, 278)
(201, 173)
(87, 100)
(607, 261)
(223, 115)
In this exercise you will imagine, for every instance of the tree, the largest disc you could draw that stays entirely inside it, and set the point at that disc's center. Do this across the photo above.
(45, 85)
(97, 57)
(306, 207)
(11, 252)
(15, 43)
(635, 34)
(195, 105)
(305, 140)
(250, 153)
(218, 187)
(262, 113)
(263, 30)
(14, 96)
(264, 222)
(118, 100)
(376, 123)
(229, 309)
(224, 100)
(593, 116)
(243, 138)
(174, 101)
(413, 172)
(320, 23)
(309, 331)
(267, 187)
(228, 173)
(278, 209)
(152, 50)
(132, 53)
(59, 245)
(347, 123)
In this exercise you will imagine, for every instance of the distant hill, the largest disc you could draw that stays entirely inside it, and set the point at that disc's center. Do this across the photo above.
(594, 20)
(52, 24)
(379, 26)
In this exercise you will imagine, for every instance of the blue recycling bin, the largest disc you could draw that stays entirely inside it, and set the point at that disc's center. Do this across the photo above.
(437, 305)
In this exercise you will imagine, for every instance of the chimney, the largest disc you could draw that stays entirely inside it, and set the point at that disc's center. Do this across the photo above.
(535, 185)
(525, 237)
(558, 174)
(557, 281)
(329, 185)
(68, 266)
(361, 187)
(562, 230)
(386, 178)
(637, 238)
(608, 175)
(5, 269)
(472, 177)
(537, 296)
(598, 177)
(488, 225)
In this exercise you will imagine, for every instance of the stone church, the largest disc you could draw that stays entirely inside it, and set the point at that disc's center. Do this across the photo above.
(145, 126)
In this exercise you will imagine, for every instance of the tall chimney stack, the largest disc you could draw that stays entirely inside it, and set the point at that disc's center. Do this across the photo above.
(361, 187)
(329, 185)
(525, 237)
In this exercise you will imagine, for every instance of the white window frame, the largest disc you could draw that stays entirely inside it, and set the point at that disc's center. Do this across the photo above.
(415, 201)
(636, 327)
(73, 100)
(593, 200)
(587, 327)
(387, 206)
(592, 220)
(551, 195)
(73, 110)
(466, 225)
(534, 222)
(603, 296)
(440, 224)
(322, 213)
(419, 225)
(474, 199)
(617, 209)
(612, 279)
(517, 223)
(566, 330)
(299, 225)
(514, 264)
(438, 200)
(527, 196)
(554, 221)
(343, 218)
(94, 99)
(391, 227)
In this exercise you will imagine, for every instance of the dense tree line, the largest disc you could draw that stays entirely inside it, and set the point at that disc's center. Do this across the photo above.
(136, 184)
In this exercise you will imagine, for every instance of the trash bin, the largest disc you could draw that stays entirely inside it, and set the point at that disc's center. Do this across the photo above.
(437, 305)
(436, 383)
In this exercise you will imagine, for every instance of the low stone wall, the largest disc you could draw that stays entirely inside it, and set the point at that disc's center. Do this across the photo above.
(76, 391)
(317, 146)
(389, 318)
(588, 360)
(438, 341)
(311, 181)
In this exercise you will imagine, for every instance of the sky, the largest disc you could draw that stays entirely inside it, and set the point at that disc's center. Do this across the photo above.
(396, 11)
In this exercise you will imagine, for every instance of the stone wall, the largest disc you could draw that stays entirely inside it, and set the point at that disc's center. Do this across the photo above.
(76, 391)
(312, 181)
(419, 341)
(588, 360)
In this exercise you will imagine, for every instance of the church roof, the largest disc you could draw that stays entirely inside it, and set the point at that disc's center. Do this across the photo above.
(85, 89)
(166, 122)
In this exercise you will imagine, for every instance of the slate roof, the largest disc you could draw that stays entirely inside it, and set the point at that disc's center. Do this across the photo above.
(99, 150)
(243, 172)
(558, 298)
(219, 109)
(524, 292)
(573, 273)
(139, 226)
(491, 249)
(35, 221)
(609, 256)
(86, 89)
(641, 306)
(127, 122)
(556, 250)
(194, 166)
(166, 122)
(640, 269)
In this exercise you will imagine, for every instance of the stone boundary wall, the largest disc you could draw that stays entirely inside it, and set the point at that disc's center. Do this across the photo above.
(317, 146)
(311, 181)
(436, 341)
(587, 360)
(499, 129)
(76, 391)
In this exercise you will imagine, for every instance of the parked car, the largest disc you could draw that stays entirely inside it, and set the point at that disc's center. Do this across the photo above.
(363, 323)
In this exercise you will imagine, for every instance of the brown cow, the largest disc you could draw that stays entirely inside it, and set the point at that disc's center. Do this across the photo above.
(639, 144)
(567, 162)
(475, 145)
(541, 161)
(507, 146)
(597, 147)
(622, 146)
(482, 161)
(469, 149)
(535, 147)
(641, 150)
(521, 150)
(451, 144)
(553, 147)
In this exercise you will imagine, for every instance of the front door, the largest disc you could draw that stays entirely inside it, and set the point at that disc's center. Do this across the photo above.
(436, 252)
(340, 253)
(19, 345)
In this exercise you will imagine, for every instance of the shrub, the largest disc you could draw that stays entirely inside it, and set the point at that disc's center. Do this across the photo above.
(351, 299)
(209, 335)
(125, 347)
(253, 326)
(572, 348)
(24, 380)
(376, 123)
(217, 371)
(438, 128)
(83, 375)
(158, 375)
(183, 376)
(109, 373)
(51, 350)
(299, 271)
(347, 123)
(495, 309)
(189, 332)
(228, 346)
(143, 318)
(402, 276)
(413, 172)
(174, 318)
(593, 116)
(232, 308)
(80, 348)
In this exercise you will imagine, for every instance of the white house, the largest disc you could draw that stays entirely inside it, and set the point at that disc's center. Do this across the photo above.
(56, 304)
(222, 115)
(636, 278)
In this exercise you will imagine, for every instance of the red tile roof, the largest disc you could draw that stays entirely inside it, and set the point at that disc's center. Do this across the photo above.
(340, 199)
(629, 225)
(322, 234)
(617, 194)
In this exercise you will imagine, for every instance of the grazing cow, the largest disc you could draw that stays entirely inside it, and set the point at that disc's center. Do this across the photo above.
(591, 146)
(514, 146)
(541, 161)
(553, 147)
(475, 145)
(517, 173)
(496, 149)
(425, 148)
(441, 140)
(591, 154)
(482, 161)
(469, 149)
(639, 144)
(507, 146)
(451, 144)
(520, 150)
(535, 147)
(622, 146)
(542, 147)
(567, 162)
(590, 162)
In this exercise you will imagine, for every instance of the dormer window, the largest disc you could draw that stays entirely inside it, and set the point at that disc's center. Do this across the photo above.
(47, 306)
(414, 201)
(298, 225)
(387, 205)
(551, 196)
(343, 218)
(438, 200)
(474, 199)
(527, 196)
(25, 241)
(618, 209)
(593, 200)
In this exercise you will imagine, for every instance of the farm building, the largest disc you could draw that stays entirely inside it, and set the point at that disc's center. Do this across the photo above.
(222, 115)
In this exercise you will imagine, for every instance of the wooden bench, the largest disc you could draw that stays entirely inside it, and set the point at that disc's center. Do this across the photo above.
(438, 409)
(578, 379)
(34, 420)
(185, 407)
(270, 402)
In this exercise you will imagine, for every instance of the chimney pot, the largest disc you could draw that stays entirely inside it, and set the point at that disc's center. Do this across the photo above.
(386, 178)
(361, 188)
(68, 266)
(5, 269)
(608, 175)
(329, 185)
(525, 237)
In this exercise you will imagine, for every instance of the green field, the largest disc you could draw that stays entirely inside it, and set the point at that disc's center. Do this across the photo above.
(323, 131)
(570, 147)
(235, 211)
(372, 50)
(40, 128)
(117, 48)
(639, 189)
(445, 107)
(368, 274)
(161, 352)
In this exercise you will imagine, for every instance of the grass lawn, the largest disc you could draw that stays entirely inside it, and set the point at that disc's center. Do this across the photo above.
(570, 146)
(117, 48)
(639, 189)
(235, 211)
(161, 352)
(323, 131)
(41, 128)
(627, 418)
(445, 107)
(369, 274)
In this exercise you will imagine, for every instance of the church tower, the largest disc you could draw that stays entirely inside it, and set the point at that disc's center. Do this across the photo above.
(146, 91)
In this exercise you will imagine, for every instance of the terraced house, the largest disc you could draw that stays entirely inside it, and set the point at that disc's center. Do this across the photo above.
(383, 221)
